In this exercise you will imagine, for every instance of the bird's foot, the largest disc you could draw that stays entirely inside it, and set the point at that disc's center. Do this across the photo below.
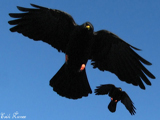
(114, 100)
(66, 58)
(82, 67)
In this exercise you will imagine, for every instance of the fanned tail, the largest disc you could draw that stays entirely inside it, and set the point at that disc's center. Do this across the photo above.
(70, 84)
(112, 106)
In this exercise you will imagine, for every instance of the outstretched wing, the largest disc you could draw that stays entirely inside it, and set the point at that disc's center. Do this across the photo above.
(128, 103)
(49, 25)
(115, 55)
(104, 89)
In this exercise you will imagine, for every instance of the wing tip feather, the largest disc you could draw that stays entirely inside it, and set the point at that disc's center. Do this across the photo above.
(37, 6)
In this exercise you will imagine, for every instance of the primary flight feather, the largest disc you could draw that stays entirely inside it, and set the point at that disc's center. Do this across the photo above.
(80, 43)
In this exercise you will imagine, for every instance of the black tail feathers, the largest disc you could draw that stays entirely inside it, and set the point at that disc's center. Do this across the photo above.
(70, 84)
(112, 106)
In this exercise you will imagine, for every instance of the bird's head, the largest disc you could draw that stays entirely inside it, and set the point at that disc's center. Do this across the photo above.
(120, 89)
(88, 26)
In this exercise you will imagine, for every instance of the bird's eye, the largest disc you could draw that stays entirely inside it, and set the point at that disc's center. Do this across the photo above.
(88, 27)
(120, 89)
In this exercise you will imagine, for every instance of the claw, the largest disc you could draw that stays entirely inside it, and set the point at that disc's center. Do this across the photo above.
(111, 98)
(115, 101)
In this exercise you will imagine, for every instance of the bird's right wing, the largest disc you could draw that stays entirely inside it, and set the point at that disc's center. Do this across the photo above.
(128, 103)
(111, 53)
(49, 25)
(104, 89)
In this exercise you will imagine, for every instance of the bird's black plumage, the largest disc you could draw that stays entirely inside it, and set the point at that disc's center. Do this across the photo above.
(80, 43)
(116, 95)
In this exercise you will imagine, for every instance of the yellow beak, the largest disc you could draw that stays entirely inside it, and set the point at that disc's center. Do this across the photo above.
(88, 27)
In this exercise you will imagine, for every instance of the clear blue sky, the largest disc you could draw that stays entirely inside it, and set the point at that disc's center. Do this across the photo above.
(27, 66)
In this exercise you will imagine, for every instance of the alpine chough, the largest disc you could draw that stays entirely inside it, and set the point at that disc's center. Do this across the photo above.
(80, 43)
(116, 95)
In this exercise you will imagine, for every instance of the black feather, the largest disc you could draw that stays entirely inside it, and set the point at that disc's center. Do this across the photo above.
(106, 50)
(117, 95)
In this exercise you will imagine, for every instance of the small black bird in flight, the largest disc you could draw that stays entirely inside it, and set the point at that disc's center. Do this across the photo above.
(116, 95)
(80, 43)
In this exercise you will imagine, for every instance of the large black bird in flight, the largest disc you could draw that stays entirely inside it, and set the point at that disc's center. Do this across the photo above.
(80, 43)
(116, 95)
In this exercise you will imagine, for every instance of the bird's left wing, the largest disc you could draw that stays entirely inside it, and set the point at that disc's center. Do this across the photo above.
(49, 25)
(111, 53)
(104, 89)
(128, 103)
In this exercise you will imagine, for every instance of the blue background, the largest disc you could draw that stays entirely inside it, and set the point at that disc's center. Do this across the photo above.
(27, 66)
